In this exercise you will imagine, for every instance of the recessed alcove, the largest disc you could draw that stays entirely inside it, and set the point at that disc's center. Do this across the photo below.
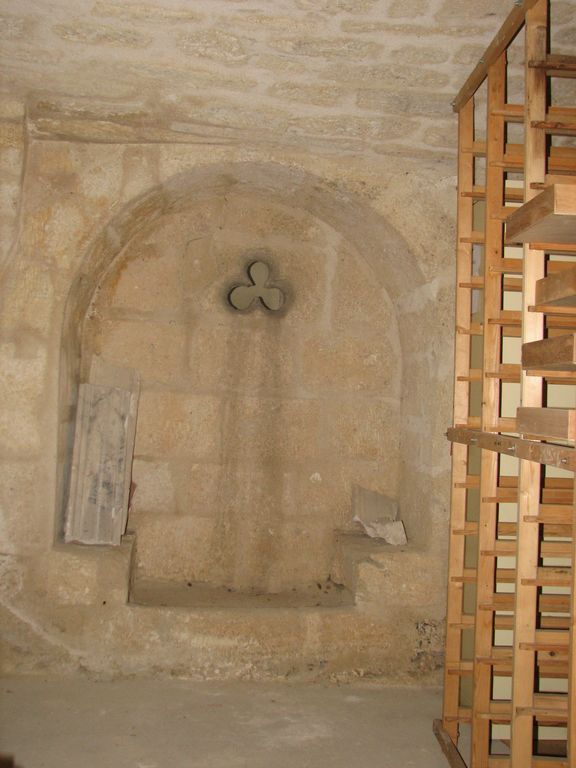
(252, 426)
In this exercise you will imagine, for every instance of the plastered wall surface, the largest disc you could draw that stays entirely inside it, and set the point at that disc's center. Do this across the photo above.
(145, 149)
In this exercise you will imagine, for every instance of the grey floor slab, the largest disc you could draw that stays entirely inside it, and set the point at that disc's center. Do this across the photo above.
(77, 722)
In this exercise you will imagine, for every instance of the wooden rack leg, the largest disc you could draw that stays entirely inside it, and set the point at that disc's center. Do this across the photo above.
(530, 472)
(453, 665)
(486, 580)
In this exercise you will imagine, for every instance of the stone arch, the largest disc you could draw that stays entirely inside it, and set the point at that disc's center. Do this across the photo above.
(383, 249)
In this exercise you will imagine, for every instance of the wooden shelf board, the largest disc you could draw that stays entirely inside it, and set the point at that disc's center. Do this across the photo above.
(548, 217)
(555, 354)
(552, 423)
(558, 289)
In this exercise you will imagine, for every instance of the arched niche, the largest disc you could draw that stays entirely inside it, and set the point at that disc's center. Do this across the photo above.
(340, 221)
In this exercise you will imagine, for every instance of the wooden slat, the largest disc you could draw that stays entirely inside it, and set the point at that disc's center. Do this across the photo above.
(553, 354)
(543, 453)
(526, 597)
(571, 730)
(550, 216)
(547, 577)
(552, 423)
(558, 289)
(557, 65)
(447, 745)
(556, 127)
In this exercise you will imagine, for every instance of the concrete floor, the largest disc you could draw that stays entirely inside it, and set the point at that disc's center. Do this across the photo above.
(78, 723)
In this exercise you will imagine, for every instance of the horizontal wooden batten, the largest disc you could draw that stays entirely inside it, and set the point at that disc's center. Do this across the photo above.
(558, 65)
(556, 127)
(551, 423)
(550, 577)
(553, 455)
(558, 289)
(548, 217)
(513, 194)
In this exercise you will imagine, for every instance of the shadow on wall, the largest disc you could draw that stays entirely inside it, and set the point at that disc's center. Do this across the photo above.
(253, 426)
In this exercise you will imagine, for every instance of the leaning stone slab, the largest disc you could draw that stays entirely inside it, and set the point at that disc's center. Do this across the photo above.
(102, 459)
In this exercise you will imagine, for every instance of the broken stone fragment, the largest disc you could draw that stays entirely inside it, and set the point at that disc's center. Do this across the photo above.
(391, 531)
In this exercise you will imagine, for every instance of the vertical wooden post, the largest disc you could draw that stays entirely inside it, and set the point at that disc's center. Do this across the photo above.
(461, 410)
(536, 48)
(493, 248)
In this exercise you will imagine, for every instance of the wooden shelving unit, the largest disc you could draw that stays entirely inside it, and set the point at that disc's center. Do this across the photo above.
(510, 669)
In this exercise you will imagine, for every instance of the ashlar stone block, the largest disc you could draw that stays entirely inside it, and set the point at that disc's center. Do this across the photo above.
(213, 44)
(155, 349)
(96, 34)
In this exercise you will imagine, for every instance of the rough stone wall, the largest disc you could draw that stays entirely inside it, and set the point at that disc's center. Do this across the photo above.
(349, 101)
(252, 426)
(64, 608)
(362, 75)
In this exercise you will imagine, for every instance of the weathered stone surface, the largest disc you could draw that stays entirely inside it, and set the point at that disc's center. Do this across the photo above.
(21, 531)
(337, 48)
(567, 39)
(186, 554)
(178, 424)
(425, 104)
(369, 506)
(420, 54)
(409, 9)
(95, 34)
(335, 6)
(239, 360)
(455, 11)
(346, 363)
(360, 429)
(11, 134)
(214, 44)
(309, 94)
(158, 355)
(150, 283)
(21, 387)
(154, 487)
(14, 27)
(278, 63)
(393, 77)
(267, 21)
(351, 127)
(468, 54)
(186, 77)
(260, 506)
(144, 12)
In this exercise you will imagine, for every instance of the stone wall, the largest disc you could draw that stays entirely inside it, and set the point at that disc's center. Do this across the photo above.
(361, 75)
(139, 138)
(252, 427)
(84, 206)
